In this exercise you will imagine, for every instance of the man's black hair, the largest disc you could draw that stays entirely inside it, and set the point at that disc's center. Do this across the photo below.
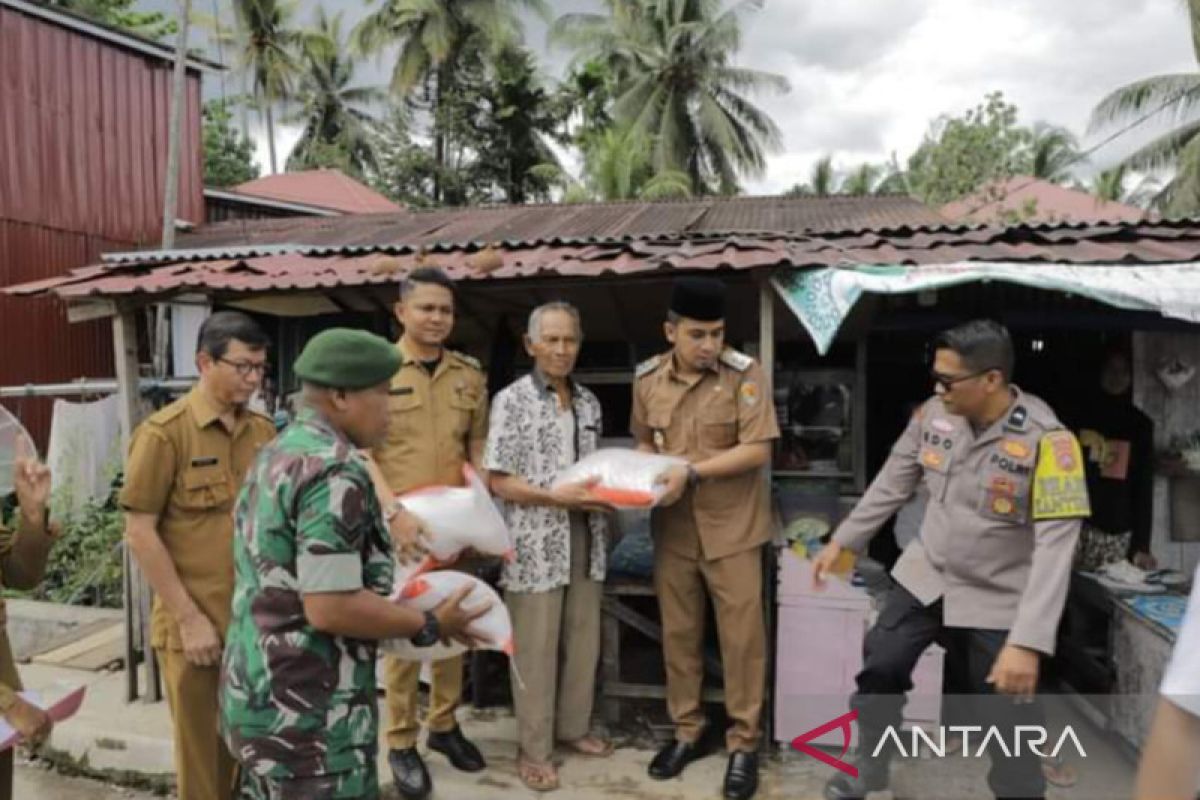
(429, 275)
(981, 344)
(223, 327)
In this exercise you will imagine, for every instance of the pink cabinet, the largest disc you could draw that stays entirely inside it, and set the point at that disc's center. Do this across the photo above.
(818, 651)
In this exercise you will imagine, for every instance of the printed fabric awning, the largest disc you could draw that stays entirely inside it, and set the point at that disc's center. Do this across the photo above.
(822, 298)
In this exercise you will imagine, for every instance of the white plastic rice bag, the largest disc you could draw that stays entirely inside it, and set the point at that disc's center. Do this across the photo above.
(15, 443)
(425, 592)
(456, 518)
(623, 478)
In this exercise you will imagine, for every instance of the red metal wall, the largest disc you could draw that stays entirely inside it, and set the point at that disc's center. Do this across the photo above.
(83, 144)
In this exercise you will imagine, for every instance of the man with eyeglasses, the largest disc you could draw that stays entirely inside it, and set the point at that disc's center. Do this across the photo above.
(185, 467)
(988, 575)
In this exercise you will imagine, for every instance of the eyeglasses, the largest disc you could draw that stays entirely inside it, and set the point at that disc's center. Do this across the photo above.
(244, 368)
(948, 382)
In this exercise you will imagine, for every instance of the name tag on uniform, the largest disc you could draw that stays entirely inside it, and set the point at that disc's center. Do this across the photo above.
(210, 461)
(400, 391)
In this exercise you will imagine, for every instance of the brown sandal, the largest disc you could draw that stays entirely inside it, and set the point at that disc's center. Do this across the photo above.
(537, 776)
(595, 747)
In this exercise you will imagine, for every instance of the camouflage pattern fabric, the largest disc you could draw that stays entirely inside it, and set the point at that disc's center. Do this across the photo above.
(296, 702)
(346, 786)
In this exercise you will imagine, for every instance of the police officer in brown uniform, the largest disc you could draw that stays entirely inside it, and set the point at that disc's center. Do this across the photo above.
(711, 406)
(988, 575)
(23, 554)
(438, 412)
(185, 468)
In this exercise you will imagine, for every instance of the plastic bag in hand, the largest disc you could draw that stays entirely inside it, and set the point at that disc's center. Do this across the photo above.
(492, 631)
(456, 518)
(623, 478)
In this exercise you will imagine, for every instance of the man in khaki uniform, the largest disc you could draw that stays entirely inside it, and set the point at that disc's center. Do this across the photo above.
(438, 411)
(23, 555)
(185, 468)
(712, 406)
(989, 572)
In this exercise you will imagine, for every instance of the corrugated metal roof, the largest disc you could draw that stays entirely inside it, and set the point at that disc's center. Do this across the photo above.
(583, 221)
(1032, 199)
(322, 268)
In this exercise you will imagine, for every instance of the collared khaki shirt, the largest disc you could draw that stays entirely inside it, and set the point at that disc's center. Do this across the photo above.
(23, 555)
(186, 468)
(1002, 520)
(697, 417)
(434, 421)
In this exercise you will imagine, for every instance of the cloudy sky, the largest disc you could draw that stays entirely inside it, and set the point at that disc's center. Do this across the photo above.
(867, 76)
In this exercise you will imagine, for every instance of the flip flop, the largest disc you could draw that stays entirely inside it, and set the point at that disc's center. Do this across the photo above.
(534, 777)
(605, 750)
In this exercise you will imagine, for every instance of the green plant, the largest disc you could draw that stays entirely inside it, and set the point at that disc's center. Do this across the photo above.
(85, 564)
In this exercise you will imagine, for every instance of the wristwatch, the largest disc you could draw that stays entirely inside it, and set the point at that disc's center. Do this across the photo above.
(430, 633)
(693, 477)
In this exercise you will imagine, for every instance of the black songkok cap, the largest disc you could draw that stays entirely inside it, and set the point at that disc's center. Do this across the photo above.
(700, 299)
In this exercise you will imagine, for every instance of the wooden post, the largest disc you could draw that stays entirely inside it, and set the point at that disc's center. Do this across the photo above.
(766, 327)
(136, 592)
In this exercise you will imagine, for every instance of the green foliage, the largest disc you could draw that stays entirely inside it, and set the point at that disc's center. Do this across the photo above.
(961, 154)
(1176, 152)
(228, 153)
(515, 119)
(336, 117)
(85, 565)
(122, 14)
(676, 86)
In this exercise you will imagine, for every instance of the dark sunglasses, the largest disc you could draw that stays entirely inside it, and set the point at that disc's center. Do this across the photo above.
(948, 382)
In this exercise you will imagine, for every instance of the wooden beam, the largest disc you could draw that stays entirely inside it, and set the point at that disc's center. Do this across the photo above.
(90, 310)
(136, 591)
(615, 608)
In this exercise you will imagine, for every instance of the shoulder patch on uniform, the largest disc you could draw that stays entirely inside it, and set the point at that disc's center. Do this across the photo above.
(647, 366)
(470, 361)
(739, 361)
(168, 412)
(1059, 483)
(1017, 419)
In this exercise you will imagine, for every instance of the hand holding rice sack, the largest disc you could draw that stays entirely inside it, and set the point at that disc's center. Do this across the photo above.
(621, 478)
(491, 631)
(457, 518)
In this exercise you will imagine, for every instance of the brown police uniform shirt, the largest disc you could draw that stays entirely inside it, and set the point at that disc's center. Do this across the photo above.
(187, 469)
(1003, 517)
(434, 421)
(697, 417)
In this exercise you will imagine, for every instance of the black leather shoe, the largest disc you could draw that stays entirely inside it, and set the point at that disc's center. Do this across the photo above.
(671, 760)
(462, 754)
(741, 776)
(408, 770)
(871, 778)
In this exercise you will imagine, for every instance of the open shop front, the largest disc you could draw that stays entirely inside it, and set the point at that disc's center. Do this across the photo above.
(877, 324)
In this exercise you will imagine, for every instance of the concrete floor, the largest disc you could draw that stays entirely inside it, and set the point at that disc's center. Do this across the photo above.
(135, 738)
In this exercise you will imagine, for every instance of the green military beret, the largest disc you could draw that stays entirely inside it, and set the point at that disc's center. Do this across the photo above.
(343, 358)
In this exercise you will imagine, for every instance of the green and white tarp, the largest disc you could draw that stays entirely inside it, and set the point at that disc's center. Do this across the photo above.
(822, 298)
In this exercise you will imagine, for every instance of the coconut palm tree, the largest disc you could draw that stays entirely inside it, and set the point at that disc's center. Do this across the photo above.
(863, 180)
(1052, 153)
(678, 87)
(266, 46)
(335, 114)
(820, 181)
(435, 37)
(1179, 148)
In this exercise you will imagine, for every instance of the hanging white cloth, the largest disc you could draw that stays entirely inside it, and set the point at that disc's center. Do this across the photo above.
(84, 454)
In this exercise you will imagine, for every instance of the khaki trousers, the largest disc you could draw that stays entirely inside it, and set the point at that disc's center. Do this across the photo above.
(556, 635)
(204, 768)
(735, 585)
(402, 684)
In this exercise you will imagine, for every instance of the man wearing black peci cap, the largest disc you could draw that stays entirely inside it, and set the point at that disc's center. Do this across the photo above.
(712, 406)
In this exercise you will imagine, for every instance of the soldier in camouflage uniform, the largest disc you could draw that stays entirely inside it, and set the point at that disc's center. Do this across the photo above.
(313, 563)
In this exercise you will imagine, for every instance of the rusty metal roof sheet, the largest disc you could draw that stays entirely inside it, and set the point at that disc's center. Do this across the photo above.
(527, 223)
(259, 269)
